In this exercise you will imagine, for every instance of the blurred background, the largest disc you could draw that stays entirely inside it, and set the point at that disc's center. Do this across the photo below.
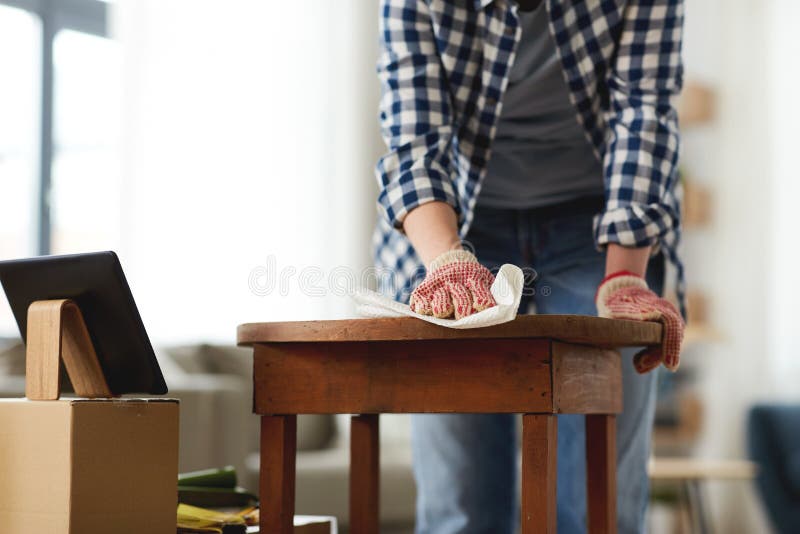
(219, 147)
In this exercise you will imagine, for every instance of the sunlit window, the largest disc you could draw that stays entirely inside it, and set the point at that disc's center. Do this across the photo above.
(85, 194)
(70, 106)
(20, 50)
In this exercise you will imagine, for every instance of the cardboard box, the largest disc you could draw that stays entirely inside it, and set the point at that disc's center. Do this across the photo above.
(80, 466)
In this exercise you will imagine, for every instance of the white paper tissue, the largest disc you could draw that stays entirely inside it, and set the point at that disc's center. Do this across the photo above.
(506, 290)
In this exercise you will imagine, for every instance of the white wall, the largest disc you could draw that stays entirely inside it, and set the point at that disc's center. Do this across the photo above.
(783, 64)
(731, 45)
(250, 132)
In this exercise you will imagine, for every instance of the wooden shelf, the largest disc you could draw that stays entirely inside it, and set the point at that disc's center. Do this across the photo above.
(697, 205)
(700, 468)
(702, 333)
(696, 105)
(682, 436)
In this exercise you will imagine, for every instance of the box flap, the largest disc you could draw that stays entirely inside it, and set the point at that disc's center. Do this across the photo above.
(76, 400)
(122, 400)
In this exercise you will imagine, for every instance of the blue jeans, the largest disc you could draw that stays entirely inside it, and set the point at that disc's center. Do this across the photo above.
(466, 465)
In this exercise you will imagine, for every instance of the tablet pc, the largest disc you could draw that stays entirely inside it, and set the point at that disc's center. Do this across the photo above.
(96, 282)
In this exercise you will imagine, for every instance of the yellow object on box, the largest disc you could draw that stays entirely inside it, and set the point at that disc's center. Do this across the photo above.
(194, 519)
(79, 466)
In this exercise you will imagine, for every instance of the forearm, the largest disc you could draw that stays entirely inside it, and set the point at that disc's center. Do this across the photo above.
(432, 229)
(619, 258)
(642, 83)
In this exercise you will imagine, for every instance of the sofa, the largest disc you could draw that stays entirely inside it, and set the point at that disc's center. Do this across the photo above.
(217, 428)
(773, 435)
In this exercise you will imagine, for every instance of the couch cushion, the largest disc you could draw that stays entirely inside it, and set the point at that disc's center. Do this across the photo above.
(323, 477)
(189, 358)
(314, 432)
(793, 471)
(213, 359)
(12, 357)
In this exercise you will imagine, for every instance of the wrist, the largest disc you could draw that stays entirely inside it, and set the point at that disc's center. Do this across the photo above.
(617, 274)
(432, 229)
(431, 253)
(633, 260)
(452, 256)
(613, 283)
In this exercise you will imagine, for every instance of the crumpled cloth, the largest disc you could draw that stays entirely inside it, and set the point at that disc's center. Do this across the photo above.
(506, 290)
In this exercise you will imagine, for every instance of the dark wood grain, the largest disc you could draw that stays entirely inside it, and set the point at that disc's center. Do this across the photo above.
(538, 502)
(536, 365)
(601, 474)
(463, 376)
(277, 477)
(364, 474)
(569, 328)
(586, 379)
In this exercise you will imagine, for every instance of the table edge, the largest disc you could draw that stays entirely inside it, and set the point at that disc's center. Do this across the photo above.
(581, 329)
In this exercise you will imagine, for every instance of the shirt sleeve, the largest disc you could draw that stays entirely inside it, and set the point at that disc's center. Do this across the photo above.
(415, 113)
(640, 161)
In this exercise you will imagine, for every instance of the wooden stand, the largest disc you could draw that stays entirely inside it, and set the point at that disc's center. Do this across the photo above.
(56, 331)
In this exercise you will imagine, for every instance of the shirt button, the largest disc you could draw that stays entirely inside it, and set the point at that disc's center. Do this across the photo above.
(510, 30)
(491, 102)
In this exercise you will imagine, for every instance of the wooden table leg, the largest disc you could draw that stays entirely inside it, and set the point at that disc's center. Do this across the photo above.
(539, 445)
(364, 474)
(601, 473)
(276, 485)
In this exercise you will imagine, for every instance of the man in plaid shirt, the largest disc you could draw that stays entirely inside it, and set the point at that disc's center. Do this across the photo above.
(539, 133)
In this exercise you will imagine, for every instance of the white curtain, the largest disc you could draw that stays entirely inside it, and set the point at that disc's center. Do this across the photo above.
(784, 114)
(250, 133)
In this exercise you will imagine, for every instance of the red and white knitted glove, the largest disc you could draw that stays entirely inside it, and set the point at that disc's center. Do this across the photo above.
(456, 284)
(625, 295)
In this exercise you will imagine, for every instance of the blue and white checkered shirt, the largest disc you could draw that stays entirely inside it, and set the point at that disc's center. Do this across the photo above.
(443, 69)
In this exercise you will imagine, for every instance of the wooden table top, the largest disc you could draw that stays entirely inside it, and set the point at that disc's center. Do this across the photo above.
(581, 329)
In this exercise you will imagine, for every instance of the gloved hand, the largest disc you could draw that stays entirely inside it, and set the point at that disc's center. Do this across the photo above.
(624, 295)
(456, 284)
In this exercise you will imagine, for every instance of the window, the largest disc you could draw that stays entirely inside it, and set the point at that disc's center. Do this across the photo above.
(86, 124)
(58, 130)
(20, 50)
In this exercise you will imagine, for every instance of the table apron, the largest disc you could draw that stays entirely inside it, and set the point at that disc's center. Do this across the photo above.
(436, 376)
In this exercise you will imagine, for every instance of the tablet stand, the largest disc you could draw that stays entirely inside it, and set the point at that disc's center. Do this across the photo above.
(56, 331)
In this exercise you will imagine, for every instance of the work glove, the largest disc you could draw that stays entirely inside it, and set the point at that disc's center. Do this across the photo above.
(456, 285)
(625, 295)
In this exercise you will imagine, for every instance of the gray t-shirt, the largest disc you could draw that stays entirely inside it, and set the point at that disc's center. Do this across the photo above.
(540, 155)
